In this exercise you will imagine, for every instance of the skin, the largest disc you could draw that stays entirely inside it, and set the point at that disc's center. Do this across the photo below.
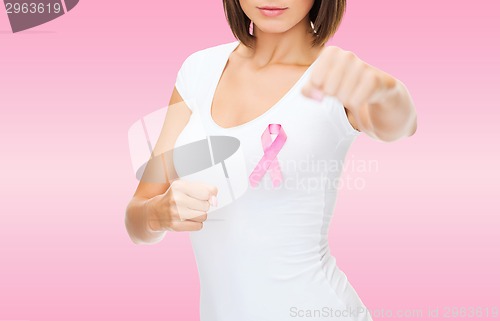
(375, 103)
(282, 54)
(174, 205)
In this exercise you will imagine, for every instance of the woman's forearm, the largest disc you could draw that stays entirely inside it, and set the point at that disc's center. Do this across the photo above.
(137, 225)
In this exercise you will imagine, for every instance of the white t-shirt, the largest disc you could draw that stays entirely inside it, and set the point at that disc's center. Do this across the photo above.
(266, 255)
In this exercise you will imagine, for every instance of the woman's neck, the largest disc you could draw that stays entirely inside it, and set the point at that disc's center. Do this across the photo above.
(291, 47)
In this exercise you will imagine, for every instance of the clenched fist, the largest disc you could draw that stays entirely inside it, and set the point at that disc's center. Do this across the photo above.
(183, 207)
(342, 74)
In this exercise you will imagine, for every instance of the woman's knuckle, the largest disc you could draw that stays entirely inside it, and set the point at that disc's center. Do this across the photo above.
(173, 199)
(173, 227)
(368, 74)
(350, 55)
(175, 185)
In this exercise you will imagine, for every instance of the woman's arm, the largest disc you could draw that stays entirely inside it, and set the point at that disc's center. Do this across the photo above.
(137, 222)
(392, 118)
(138, 212)
(375, 102)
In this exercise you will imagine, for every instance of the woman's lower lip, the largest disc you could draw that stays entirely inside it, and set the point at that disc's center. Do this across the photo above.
(271, 12)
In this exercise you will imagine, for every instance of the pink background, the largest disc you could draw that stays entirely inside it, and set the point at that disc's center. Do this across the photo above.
(420, 235)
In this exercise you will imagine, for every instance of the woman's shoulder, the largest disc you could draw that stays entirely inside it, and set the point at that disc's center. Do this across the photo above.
(198, 68)
(209, 53)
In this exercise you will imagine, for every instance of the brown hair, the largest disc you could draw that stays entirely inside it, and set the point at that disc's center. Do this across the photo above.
(326, 16)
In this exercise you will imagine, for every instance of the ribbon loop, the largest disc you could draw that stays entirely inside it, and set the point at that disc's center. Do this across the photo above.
(269, 160)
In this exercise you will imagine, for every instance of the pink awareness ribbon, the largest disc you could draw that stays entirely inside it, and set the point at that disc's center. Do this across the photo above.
(269, 160)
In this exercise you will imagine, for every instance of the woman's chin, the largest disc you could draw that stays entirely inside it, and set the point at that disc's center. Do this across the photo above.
(273, 29)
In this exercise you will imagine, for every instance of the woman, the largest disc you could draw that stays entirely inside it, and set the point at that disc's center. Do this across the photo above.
(266, 255)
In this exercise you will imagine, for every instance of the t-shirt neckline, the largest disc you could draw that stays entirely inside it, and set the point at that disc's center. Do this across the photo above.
(231, 48)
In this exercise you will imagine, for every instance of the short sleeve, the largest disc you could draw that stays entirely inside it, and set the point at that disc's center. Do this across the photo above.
(337, 114)
(346, 124)
(186, 79)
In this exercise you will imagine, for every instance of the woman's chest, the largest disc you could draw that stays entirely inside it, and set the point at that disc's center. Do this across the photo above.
(292, 146)
(302, 131)
(239, 97)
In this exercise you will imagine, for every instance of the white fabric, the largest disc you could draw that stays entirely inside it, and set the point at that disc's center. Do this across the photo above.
(265, 257)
